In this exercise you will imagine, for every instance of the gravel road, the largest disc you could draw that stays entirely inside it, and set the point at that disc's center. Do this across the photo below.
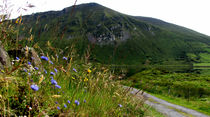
(166, 108)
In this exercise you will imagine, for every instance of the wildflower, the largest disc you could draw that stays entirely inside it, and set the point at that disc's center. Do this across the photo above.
(29, 63)
(44, 58)
(25, 70)
(76, 102)
(52, 73)
(34, 87)
(58, 108)
(30, 108)
(89, 71)
(36, 68)
(64, 58)
(32, 80)
(51, 62)
(51, 77)
(74, 70)
(17, 58)
(84, 101)
(68, 101)
(57, 86)
(32, 58)
(86, 79)
(55, 70)
(56, 102)
(65, 105)
(120, 105)
(29, 73)
(45, 71)
(53, 82)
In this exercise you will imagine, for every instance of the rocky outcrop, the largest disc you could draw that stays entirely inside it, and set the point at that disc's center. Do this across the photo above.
(28, 53)
(4, 58)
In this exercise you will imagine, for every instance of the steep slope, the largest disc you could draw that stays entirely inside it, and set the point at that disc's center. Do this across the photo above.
(115, 38)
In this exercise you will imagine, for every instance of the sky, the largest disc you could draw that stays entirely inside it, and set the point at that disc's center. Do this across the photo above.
(193, 14)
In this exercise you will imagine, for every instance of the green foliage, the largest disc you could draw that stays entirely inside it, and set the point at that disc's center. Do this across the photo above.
(149, 39)
(69, 86)
(89, 84)
(187, 86)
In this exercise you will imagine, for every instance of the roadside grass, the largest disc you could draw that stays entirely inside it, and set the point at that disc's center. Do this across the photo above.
(192, 104)
(151, 112)
(187, 89)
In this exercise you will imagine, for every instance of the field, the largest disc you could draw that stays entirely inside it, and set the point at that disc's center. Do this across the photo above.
(186, 89)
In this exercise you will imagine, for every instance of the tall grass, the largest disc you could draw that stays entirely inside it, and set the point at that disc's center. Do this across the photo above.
(60, 85)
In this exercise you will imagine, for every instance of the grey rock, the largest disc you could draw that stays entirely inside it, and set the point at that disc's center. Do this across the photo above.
(4, 58)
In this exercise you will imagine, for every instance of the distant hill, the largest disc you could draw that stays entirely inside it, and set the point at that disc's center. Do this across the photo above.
(116, 38)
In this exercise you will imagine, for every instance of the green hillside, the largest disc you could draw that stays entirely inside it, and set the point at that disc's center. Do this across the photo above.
(116, 38)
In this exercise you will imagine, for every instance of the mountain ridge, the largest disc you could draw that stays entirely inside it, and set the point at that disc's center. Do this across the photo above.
(116, 38)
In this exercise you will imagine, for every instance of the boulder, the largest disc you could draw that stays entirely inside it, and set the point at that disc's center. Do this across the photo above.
(28, 53)
(4, 58)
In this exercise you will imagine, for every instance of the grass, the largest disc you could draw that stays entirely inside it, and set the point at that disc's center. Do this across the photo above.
(87, 84)
(183, 102)
(189, 89)
(151, 112)
(203, 65)
(60, 84)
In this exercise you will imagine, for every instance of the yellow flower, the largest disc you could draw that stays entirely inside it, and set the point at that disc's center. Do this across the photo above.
(56, 96)
(86, 79)
(89, 71)
(17, 21)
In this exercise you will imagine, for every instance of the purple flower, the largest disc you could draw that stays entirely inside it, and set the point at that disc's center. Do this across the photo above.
(84, 101)
(76, 102)
(120, 105)
(34, 87)
(45, 71)
(51, 62)
(58, 108)
(53, 82)
(56, 102)
(51, 77)
(29, 63)
(29, 73)
(55, 70)
(44, 58)
(17, 58)
(57, 86)
(65, 105)
(68, 101)
(32, 58)
(64, 58)
(52, 73)
(74, 70)
(25, 70)
(36, 68)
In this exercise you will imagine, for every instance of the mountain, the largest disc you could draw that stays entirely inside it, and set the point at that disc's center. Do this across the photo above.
(115, 38)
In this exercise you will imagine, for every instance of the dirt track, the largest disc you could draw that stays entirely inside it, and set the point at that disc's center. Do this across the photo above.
(166, 108)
